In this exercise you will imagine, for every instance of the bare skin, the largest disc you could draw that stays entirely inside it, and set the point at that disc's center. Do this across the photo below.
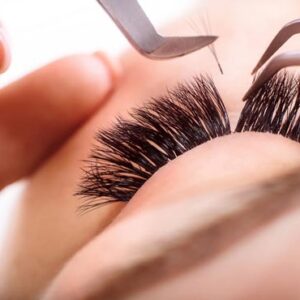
(50, 250)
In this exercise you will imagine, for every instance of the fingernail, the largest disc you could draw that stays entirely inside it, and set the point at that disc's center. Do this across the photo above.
(112, 64)
(5, 55)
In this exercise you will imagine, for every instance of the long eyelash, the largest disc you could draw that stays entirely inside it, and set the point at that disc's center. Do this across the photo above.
(133, 150)
(274, 108)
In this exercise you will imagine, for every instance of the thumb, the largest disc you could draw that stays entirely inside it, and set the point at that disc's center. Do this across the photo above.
(4, 50)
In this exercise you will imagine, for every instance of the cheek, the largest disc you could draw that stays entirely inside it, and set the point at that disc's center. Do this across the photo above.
(228, 162)
(262, 266)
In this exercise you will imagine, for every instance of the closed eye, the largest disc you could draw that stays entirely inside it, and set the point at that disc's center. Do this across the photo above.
(128, 154)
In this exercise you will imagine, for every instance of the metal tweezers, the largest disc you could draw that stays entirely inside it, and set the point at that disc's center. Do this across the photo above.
(279, 62)
(140, 32)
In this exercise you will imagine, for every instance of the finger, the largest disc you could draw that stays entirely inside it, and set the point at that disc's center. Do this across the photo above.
(38, 112)
(5, 56)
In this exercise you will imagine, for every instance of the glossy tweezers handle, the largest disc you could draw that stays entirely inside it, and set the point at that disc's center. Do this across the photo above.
(134, 23)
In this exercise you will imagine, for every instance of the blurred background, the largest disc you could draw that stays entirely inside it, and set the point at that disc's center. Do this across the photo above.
(43, 30)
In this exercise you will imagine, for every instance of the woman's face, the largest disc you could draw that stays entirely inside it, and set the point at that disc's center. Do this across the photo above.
(195, 229)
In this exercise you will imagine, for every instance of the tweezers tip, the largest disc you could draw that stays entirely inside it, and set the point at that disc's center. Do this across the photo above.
(248, 94)
(208, 38)
(214, 37)
(254, 71)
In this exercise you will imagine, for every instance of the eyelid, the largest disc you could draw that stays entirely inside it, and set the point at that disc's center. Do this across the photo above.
(219, 220)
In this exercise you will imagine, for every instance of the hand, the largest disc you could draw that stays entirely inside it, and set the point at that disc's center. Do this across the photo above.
(39, 112)
(4, 50)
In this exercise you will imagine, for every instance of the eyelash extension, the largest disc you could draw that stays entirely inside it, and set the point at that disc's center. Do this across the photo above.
(274, 108)
(128, 154)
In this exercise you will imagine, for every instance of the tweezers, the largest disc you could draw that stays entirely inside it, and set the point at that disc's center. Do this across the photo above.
(140, 32)
(287, 59)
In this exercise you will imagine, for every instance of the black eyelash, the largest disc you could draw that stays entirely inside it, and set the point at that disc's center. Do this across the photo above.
(274, 108)
(133, 150)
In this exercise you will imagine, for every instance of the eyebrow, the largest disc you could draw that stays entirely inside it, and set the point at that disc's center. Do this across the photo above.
(235, 214)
